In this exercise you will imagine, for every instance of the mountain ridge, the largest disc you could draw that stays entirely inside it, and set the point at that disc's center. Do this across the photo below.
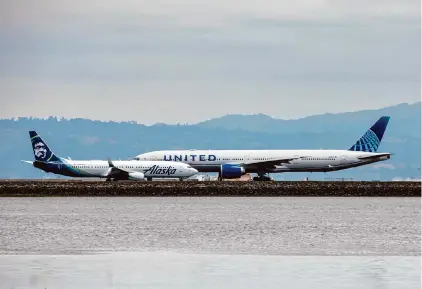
(416, 105)
(318, 123)
(403, 104)
(94, 139)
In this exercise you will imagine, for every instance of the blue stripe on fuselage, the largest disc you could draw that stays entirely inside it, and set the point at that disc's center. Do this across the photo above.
(61, 169)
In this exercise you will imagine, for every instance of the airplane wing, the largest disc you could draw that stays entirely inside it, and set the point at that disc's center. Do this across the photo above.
(114, 171)
(269, 163)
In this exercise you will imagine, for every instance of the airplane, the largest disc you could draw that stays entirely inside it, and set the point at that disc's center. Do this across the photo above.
(47, 161)
(232, 164)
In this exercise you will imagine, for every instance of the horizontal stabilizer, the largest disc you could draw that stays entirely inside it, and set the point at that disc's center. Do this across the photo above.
(377, 156)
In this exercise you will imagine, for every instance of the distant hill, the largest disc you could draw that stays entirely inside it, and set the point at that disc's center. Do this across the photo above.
(405, 121)
(88, 139)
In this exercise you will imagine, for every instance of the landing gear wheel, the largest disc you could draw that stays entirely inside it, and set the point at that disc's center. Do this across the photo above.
(108, 180)
(262, 178)
(115, 180)
(180, 179)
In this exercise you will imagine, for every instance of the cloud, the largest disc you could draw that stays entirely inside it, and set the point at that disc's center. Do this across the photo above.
(395, 140)
(197, 12)
(384, 166)
(155, 61)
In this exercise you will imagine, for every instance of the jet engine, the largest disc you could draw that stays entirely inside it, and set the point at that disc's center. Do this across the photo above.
(229, 171)
(136, 176)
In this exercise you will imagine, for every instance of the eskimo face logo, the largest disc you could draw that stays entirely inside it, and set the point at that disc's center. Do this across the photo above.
(40, 150)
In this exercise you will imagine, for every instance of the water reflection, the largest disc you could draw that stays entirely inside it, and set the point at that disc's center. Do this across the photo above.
(176, 270)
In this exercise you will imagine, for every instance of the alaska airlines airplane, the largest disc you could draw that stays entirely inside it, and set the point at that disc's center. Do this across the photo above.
(232, 164)
(47, 161)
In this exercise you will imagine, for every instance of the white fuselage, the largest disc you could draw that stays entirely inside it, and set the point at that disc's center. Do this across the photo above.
(100, 169)
(307, 160)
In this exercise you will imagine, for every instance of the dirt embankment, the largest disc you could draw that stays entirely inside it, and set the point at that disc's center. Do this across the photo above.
(18, 188)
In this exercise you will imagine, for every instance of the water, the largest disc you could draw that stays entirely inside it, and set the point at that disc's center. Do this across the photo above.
(175, 270)
(210, 242)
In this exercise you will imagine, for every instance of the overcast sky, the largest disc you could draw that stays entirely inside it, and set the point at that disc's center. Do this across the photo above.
(190, 60)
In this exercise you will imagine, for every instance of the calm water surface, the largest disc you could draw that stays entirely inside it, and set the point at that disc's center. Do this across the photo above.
(210, 242)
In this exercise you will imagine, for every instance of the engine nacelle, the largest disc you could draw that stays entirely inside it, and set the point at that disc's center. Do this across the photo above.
(136, 176)
(229, 171)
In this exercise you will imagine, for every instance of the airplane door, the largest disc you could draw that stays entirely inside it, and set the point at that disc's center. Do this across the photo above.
(296, 160)
(343, 160)
(247, 158)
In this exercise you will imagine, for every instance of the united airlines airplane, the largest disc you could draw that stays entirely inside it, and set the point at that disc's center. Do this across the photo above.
(232, 164)
(47, 161)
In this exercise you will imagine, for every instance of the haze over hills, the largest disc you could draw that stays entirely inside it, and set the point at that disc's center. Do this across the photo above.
(88, 139)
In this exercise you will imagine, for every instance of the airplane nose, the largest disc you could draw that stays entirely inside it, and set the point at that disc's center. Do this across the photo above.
(195, 171)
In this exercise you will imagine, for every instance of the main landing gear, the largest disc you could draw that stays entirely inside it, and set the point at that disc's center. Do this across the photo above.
(109, 180)
(262, 177)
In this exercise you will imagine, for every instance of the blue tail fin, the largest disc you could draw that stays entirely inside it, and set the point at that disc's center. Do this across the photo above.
(371, 140)
(41, 151)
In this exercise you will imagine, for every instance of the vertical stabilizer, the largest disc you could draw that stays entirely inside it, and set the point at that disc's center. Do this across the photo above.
(371, 140)
(41, 151)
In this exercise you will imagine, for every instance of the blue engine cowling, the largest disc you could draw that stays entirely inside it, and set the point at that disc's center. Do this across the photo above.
(229, 171)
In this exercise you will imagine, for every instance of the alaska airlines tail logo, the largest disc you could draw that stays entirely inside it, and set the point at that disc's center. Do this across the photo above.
(156, 170)
(369, 142)
(40, 150)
